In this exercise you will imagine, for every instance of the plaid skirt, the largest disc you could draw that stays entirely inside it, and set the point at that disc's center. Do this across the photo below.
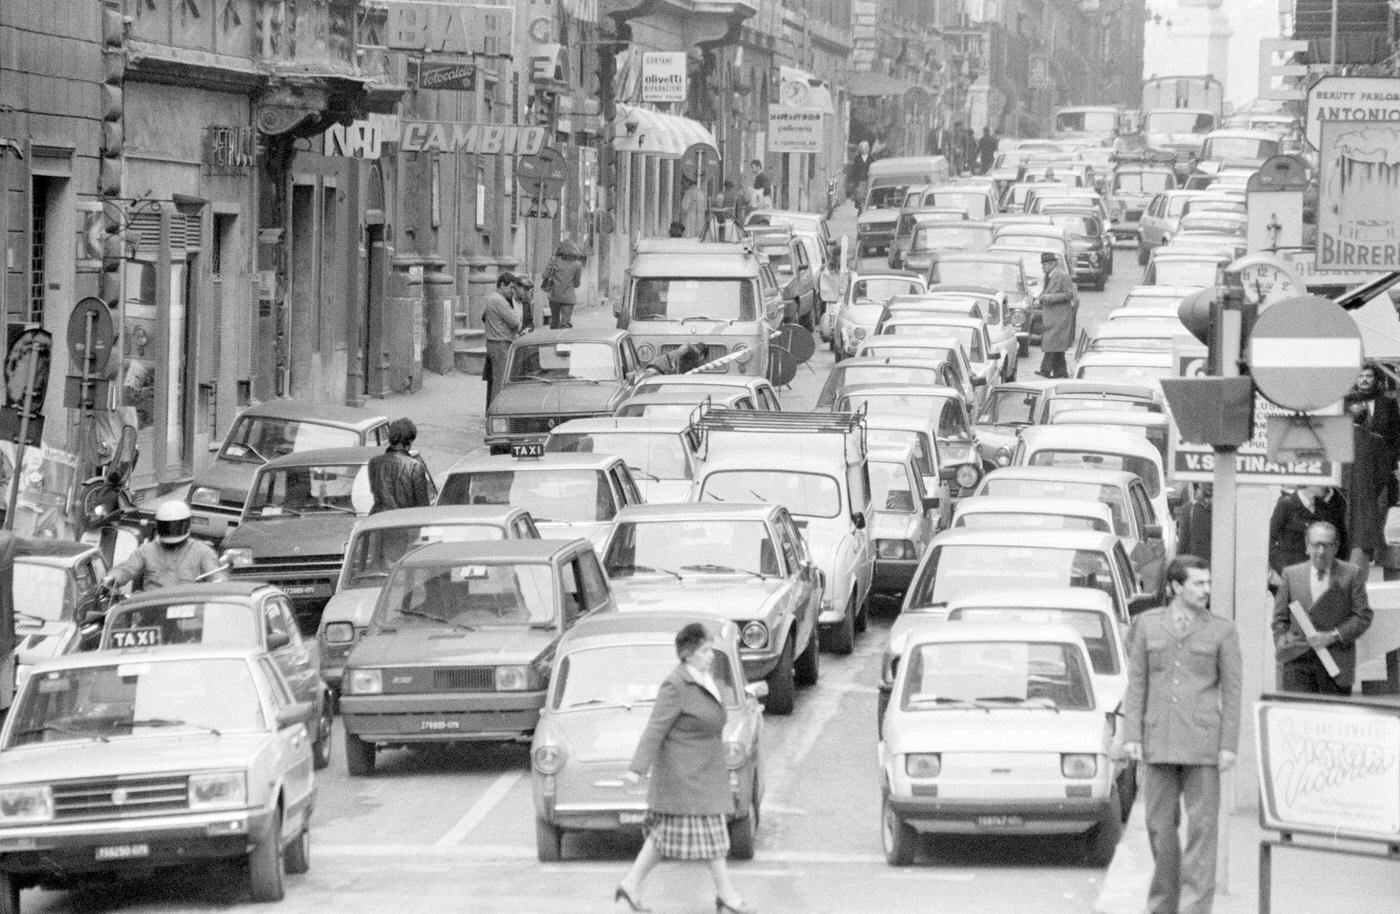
(683, 837)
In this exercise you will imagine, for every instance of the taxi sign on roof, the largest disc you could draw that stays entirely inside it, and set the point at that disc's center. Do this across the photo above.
(528, 449)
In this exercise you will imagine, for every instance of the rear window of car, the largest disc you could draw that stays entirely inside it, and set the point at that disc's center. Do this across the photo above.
(1140, 467)
(1091, 626)
(884, 289)
(993, 674)
(1002, 487)
(1021, 520)
(805, 494)
(954, 569)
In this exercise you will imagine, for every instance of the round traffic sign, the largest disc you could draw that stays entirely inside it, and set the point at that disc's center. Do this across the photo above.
(543, 173)
(104, 334)
(1304, 353)
(698, 158)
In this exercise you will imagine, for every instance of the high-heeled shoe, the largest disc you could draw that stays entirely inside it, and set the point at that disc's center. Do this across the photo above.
(620, 894)
(724, 907)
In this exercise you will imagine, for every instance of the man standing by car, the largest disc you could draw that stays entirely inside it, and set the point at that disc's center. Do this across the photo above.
(398, 478)
(1181, 717)
(501, 324)
(1058, 304)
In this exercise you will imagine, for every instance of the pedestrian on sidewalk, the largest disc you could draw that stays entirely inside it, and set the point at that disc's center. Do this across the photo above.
(501, 324)
(523, 294)
(1333, 595)
(1059, 303)
(760, 197)
(398, 478)
(1182, 719)
(986, 151)
(561, 281)
(1293, 513)
(688, 794)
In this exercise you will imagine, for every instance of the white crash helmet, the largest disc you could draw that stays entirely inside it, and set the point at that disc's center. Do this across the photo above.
(173, 522)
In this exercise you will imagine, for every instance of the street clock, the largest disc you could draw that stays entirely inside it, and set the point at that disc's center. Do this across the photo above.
(1264, 279)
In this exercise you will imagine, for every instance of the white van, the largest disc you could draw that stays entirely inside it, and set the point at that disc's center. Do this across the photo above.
(888, 182)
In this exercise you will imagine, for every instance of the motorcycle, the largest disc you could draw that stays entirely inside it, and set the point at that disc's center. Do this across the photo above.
(111, 520)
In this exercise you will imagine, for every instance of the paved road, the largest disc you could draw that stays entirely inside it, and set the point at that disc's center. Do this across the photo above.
(451, 830)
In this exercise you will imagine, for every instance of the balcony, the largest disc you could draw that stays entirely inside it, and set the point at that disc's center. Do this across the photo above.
(702, 21)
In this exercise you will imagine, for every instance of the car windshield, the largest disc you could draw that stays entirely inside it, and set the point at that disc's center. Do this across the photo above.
(220, 624)
(1010, 674)
(1141, 467)
(373, 553)
(805, 494)
(886, 196)
(468, 595)
(1093, 627)
(623, 675)
(888, 347)
(687, 547)
(779, 258)
(1028, 520)
(881, 289)
(258, 439)
(1096, 122)
(1132, 374)
(891, 487)
(1008, 277)
(1002, 487)
(950, 237)
(1009, 407)
(1205, 222)
(45, 589)
(675, 299)
(650, 455)
(550, 494)
(297, 491)
(564, 362)
(1238, 147)
(974, 203)
(955, 569)
(883, 374)
(1178, 122)
(1079, 226)
(1143, 182)
(137, 698)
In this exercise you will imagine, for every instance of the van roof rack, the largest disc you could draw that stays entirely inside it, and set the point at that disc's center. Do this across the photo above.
(753, 420)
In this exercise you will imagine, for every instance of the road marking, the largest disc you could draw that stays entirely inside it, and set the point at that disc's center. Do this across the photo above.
(493, 795)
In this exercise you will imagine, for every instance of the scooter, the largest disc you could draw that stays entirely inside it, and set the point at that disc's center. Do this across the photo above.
(111, 520)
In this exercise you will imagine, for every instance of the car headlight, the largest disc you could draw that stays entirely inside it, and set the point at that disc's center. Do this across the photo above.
(218, 790)
(734, 754)
(26, 804)
(894, 549)
(204, 495)
(860, 333)
(968, 475)
(364, 682)
(500, 426)
(923, 764)
(755, 635)
(1018, 318)
(548, 758)
(646, 352)
(1003, 456)
(238, 556)
(339, 632)
(1078, 765)
(511, 678)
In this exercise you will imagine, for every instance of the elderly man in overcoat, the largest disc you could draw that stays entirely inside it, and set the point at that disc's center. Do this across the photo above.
(1059, 303)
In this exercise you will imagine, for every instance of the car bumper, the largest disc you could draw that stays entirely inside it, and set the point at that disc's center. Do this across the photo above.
(1031, 817)
(441, 718)
(894, 575)
(304, 589)
(607, 804)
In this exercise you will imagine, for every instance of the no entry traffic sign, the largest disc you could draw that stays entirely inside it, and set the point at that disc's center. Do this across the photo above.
(1304, 353)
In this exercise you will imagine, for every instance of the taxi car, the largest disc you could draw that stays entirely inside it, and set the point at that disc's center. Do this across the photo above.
(120, 762)
(63, 603)
(864, 302)
(556, 375)
(229, 614)
(760, 391)
(905, 517)
(567, 495)
(380, 540)
(299, 513)
(660, 453)
(747, 562)
(997, 728)
(461, 643)
(265, 432)
(606, 675)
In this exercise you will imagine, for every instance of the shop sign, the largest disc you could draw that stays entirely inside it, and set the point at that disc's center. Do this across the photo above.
(663, 76)
(459, 76)
(1358, 225)
(229, 147)
(474, 139)
(449, 28)
(794, 130)
(1349, 99)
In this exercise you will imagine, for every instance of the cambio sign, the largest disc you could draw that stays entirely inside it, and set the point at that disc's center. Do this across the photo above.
(663, 76)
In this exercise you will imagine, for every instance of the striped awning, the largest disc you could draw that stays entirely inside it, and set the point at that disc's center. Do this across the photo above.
(647, 132)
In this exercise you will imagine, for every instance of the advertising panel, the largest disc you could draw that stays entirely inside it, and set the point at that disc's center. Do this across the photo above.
(1358, 223)
(663, 76)
(794, 130)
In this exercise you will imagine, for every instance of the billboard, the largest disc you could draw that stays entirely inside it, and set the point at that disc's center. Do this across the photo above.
(1358, 223)
(663, 76)
(794, 130)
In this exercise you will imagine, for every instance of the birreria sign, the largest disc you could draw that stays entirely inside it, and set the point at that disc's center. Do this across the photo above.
(1354, 122)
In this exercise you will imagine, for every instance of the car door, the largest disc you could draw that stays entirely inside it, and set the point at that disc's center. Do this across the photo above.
(523, 528)
(294, 761)
(283, 642)
(627, 486)
(804, 282)
(806, 575)
(90, 601)
(929, 517)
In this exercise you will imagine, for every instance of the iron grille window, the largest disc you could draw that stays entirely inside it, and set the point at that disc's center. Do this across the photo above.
(39, 204)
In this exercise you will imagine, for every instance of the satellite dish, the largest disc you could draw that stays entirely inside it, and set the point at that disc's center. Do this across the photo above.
(782, 367)
(797, 340)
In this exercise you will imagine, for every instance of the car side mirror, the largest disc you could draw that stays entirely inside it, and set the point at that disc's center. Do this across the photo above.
(1141, 603)
(1152, 532)
(617, 308)
(278, 640)
(858, 519)
(979, 381)
(296, 713)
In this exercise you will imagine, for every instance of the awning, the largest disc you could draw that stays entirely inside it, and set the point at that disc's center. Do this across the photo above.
(800, 89)
(866, 85)
(647, 132)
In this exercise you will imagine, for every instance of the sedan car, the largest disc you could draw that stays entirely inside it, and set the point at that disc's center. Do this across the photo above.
(462, 641)
(230, 614)
(997, 728)
(863, 303)
(113, 763)
(1093, 246)
(905, 517)
(61, 603)
(747, 562)
(606, 674)
(661, 454)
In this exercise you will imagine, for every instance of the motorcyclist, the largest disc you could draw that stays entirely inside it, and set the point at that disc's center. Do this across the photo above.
(171, 558)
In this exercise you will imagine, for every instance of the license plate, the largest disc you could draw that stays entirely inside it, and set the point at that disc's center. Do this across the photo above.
(437, 726)
(198, 521)
(136, 637)
(1000, 821)
(630, 818)
(298, 590)
(123, 852)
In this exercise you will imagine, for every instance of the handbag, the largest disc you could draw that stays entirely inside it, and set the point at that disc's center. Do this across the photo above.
(547, 280)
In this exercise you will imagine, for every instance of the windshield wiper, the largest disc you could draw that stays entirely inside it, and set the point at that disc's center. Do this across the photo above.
(535, 377)
(55, 728)
(759, 497)
(432, 618)
(1037, 702)
(636, 568)
(256, 452)
(167, 722)
(713, 568)
(714, 496)
(331, 507)
(281, 510)
(944, 700)
(639, 470)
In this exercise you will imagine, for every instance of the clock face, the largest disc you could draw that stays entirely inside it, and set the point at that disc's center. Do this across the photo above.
(1266, 283)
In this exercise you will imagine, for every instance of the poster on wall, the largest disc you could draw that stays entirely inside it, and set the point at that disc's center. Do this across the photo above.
(1358, 224)
(663, 76)
(794, 130)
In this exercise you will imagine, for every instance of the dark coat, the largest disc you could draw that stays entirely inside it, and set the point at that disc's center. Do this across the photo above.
(1379, 415)
(1183, 697)
(1343, 606)
(683, 748)
(1059, 303)
(1288, 528)
(398, 479)
(563, 276)
(1367, 480)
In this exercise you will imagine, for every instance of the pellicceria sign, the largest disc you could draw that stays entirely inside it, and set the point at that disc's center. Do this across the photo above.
(478, 139)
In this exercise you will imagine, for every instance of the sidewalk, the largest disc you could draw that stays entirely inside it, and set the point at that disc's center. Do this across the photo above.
(1304, 881)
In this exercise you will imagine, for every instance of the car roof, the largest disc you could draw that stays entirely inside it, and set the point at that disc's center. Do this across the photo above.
(642, 627)
(1063, 474)
(718, 400)
(689, 258)
(556, 459)
(885, 274)
(1069, 435)
(1133, 327)
(984, 257)
(440, 514)
(571, 335)
(1241, 133)
(861, 361)
(166, 653)
(1054, 539)
(194, 593)
(322, 413)
(950, 290)
(1036, 598)
(913, 390)
(1013, 632)
(1079, 387)
(899, 422)
(1136, 417)
(891, 340)
(491, 551)
(322, 457)
(1128, 358)
(913, 316)
(1065, 507)
(622, 424)
(1162, 291)
(696, 511)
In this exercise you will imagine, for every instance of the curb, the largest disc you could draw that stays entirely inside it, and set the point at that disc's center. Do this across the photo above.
(1125, 883)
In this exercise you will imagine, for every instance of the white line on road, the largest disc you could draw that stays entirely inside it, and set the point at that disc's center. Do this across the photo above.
(493, 795)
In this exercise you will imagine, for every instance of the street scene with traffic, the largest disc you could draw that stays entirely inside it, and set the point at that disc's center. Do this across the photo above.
(764, 456)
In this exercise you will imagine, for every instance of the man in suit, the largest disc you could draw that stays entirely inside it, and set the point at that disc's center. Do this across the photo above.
(1182, 718)
(1333, 594)
(1059, 305)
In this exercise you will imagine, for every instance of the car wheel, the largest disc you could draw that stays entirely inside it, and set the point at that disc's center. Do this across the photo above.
(1110, 260)
(321, 748)
(265, 868)
(549, 842)
(359, 756)
(862, 621)
(1102, 839)
(296, 859)
(9, 894)
(1023, 347)
(1127, 789)
(782, 686)
(898, 839)
(841, 637)
(741, 837)
(1143, 253)
(808, 664)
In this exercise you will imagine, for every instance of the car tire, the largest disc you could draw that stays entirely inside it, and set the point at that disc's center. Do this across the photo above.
(265, 866)
(899, 840)
(742, 832)
(1127, 789)
(9, 894)
(1102, 840)
(808, 663)
(1143, 253)
(359, 756)
(841, 637)
(1110, 260)
(321, 746)
(1023, 348)
(782, 683)
(296, 859)
(549, 842)
(863, 616)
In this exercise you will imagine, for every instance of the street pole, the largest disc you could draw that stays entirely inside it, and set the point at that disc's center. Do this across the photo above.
(1333, 56)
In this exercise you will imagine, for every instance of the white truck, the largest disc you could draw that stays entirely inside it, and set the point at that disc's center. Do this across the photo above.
(1178, 112)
